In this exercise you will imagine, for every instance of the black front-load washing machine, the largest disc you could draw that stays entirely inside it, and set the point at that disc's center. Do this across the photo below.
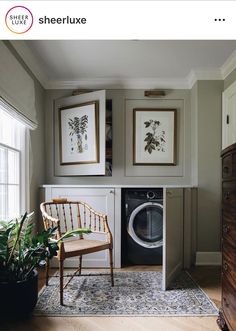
(142, 226)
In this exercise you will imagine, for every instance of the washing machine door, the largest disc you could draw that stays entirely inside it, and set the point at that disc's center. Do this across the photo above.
(145, 225)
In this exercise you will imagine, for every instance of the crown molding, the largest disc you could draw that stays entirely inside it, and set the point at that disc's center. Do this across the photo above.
(118, 83)
(136, 83)
(229, 65)
(200, 74)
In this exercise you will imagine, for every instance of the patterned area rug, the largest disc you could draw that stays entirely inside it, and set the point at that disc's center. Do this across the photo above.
(134, 294)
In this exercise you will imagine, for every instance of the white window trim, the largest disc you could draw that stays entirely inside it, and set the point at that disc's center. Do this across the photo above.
(24, 183)
(24, 174)
(7, 184)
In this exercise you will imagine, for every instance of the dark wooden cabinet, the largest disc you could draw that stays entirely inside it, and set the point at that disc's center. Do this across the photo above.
(227, 315)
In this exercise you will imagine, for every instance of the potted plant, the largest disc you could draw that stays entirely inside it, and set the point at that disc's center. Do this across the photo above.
(21, 252)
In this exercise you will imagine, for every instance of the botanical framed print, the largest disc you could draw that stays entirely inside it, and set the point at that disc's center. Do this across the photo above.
(154, 136)
(79, 133)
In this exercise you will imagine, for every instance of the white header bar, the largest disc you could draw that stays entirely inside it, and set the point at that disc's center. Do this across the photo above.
(118, 20)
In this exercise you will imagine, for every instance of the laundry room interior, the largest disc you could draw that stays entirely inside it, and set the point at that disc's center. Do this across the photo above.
(124, 139)
(165, 184)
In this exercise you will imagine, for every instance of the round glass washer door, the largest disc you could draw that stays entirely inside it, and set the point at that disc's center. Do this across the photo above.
(145, 225)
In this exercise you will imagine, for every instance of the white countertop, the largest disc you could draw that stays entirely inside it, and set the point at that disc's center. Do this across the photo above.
(116, 186)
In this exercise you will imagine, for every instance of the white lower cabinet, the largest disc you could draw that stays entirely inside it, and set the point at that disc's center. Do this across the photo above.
(102, 200)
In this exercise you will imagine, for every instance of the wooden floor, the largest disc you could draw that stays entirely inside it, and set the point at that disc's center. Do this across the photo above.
(207, 277)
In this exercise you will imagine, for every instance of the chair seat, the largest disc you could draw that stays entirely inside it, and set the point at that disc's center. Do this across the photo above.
(84, 246)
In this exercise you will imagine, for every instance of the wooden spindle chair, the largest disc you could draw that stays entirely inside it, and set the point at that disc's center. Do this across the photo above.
(69, 215)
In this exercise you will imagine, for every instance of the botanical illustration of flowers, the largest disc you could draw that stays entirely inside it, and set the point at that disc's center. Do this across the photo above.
(78, 127)
(155, 138)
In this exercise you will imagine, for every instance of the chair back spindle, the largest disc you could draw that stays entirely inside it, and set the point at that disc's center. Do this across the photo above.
(57, 211)
(84, 216)
(64, 217)
(90, 219)
(71, 217)
(99, 223)
(94, 222)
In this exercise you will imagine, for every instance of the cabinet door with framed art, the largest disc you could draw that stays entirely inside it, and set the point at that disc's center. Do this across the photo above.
(101, 200)
(79, 135)
(229, 116)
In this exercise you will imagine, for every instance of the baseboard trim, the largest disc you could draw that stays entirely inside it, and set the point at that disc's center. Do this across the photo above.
(208, 258)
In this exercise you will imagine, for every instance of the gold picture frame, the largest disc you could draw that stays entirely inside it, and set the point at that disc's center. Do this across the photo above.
(79, 133)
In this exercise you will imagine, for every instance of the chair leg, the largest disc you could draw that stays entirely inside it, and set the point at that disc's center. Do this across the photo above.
(80, 264)
(61, 281)
(111, 266)
(47, 271)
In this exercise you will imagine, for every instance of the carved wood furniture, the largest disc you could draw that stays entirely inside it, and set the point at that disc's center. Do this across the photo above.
(227, 316)
(69, 215)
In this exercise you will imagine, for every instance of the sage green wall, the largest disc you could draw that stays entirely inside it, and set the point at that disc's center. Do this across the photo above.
(37, 150)
(194, 134)
(209, 165)
(123, 101)
(199, 164)
(37, 141)
(230, 79)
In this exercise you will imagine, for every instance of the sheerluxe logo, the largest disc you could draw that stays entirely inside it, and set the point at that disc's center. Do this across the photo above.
(19, 19)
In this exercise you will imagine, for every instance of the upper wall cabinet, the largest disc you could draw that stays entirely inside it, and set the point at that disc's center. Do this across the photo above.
(79, 133)
(229, 116)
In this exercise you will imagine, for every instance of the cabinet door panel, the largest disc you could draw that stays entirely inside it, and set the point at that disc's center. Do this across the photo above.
(172, 235)
(102, 200)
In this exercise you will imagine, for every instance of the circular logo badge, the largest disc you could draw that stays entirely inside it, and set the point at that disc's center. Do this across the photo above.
(19, 19)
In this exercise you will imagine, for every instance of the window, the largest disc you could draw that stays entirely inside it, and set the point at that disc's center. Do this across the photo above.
(13, 179)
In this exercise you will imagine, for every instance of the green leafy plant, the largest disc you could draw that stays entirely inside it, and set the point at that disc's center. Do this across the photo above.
(21, 251)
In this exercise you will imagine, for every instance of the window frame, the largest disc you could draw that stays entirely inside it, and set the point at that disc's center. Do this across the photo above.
(23, 150)
(24, 173)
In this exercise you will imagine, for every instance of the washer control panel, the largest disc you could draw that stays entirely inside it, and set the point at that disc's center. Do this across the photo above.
(144, 194)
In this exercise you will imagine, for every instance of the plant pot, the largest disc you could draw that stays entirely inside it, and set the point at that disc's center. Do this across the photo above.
(19, 298)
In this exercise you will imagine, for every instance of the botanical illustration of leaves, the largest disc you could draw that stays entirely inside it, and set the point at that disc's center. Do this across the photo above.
(78, 126)
(147, 124)
(155, 141)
